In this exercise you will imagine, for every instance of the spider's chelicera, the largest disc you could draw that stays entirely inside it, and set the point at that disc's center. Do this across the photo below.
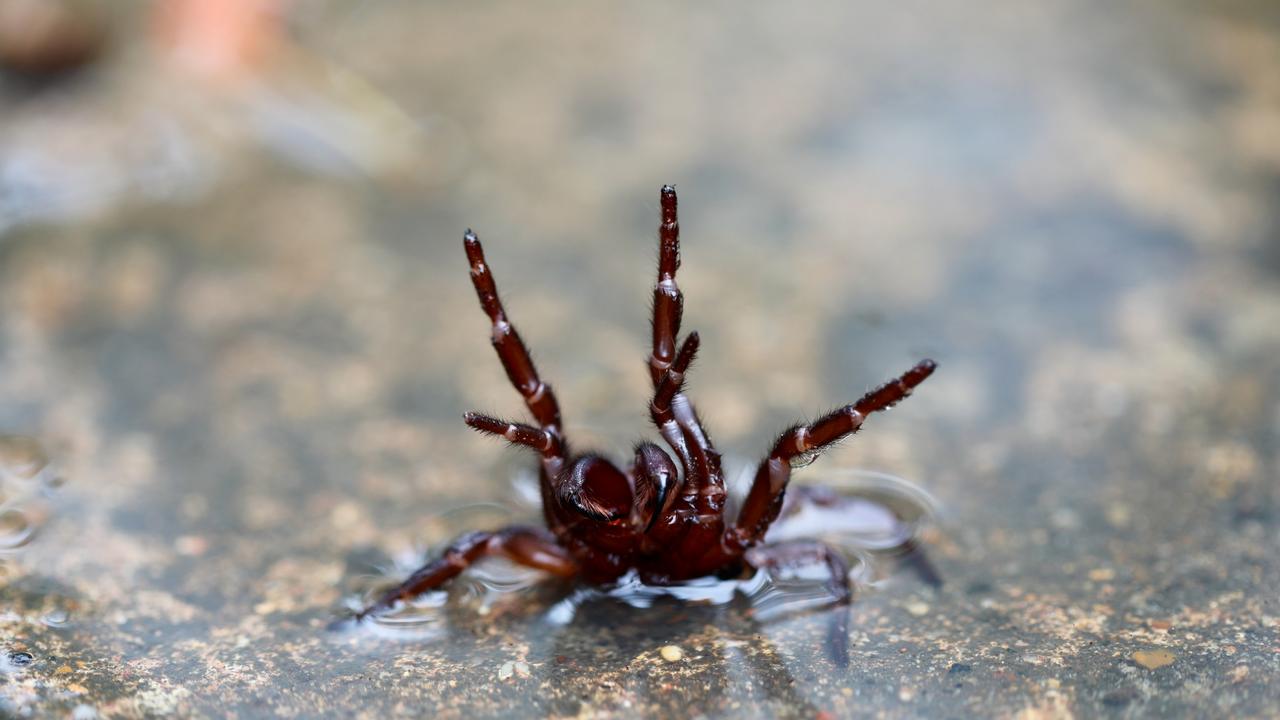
(662, 517)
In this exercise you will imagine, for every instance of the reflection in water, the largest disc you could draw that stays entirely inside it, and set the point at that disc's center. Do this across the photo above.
(871, 518)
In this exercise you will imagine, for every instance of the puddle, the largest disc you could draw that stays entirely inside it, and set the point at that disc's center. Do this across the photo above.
(870, 518)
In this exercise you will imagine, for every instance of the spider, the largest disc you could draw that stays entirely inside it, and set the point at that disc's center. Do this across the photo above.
(664, 518)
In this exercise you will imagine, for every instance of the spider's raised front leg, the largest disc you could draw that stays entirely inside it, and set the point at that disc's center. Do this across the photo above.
(531, 547)
(802, 553)
(703, 482)
(537, 395)
(764, 500)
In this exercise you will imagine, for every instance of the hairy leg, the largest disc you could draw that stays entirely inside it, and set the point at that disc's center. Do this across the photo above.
(532, 547)
(764, 500)
(537, 395)
(544, 441)
(702, 488)
(800, 553)
(668, 308)
(668, 301)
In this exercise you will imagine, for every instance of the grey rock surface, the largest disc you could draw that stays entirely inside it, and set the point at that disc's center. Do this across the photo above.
(235, 314)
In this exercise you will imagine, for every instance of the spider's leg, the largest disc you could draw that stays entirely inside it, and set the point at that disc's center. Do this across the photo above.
(802, 553)
(764, 500)
(660, 408)
(544, 441)
(537, 395)
(703, 481)
(532, 547)
(701, 497)
(668, 308)
(668, 301)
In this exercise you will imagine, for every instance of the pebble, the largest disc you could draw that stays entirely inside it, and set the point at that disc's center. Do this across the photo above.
(918, 608)
(671, 653)
(1153, 659)
(517, 668)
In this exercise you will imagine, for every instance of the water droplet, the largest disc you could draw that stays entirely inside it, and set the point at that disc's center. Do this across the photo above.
(18, 658)
(56, 618)
(15, 529)
(21, 457)
(804, 459)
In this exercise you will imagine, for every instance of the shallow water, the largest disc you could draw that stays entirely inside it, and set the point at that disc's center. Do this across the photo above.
(235, 315)
(870, 519)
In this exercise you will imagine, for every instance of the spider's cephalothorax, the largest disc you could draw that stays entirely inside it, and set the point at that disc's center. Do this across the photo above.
(661, 516)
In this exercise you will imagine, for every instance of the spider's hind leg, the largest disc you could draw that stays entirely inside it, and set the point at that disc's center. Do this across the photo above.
(531, 547)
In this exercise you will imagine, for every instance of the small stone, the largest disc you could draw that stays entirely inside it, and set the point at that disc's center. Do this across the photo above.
(63, 670)
(671, 653)
(1102, 574)
(20, 658)
(918, 608)
(506, 670)
(191, 545)
(1153, 659)
(1118, 515)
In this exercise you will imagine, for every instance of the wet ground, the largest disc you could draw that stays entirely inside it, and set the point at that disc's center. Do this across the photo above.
(235, 316)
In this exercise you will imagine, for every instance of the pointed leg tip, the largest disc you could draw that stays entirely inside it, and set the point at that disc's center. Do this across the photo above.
(471, 244)
(344, 624)
(920, 372)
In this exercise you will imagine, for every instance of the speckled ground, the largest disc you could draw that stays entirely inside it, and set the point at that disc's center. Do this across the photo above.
(245, 343)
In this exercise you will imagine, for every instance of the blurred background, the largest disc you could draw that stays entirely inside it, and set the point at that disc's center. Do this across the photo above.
(237, 336)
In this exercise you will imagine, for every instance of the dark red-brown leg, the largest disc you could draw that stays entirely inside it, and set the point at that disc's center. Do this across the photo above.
(802, 553)
(660, 408)
(544, 441)
(764, 500)
(668, 301)
(537, 395)
(702, 488)
(532, 547)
